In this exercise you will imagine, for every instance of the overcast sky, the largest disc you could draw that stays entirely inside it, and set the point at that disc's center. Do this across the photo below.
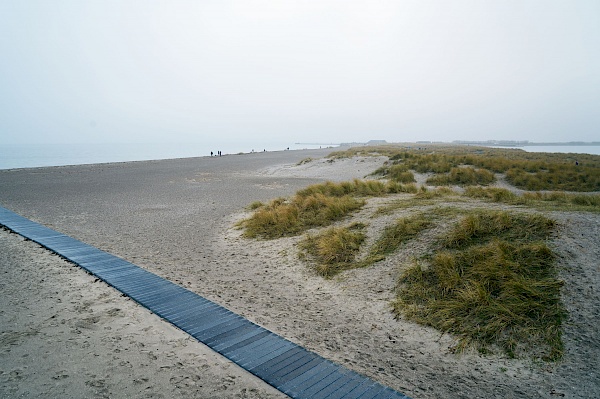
(303, 71)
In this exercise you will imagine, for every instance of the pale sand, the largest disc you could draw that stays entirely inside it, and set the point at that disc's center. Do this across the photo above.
(66, 335)
(176, 218)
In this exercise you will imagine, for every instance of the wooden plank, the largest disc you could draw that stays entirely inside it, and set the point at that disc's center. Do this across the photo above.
(290, 368)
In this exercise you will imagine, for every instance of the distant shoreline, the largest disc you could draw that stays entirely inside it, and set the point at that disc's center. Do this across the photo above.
(529, 144)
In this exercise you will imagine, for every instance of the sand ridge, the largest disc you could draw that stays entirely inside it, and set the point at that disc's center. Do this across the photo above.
(67, 334)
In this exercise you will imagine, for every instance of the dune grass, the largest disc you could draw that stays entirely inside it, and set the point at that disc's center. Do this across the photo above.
(315, 206)
(357, 187)
(395, 235)
(557, 201)
(334, 249)
(481, 226)
(281, 217)
(463, 177)
(491, 279)
(493, 194)
(304, 161)
(492, 284)
(565, 177)
(397, 173)
(255, 205)
(527, 171)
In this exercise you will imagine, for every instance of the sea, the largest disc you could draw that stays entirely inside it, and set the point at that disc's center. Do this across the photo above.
(16, 156)
(564, 149)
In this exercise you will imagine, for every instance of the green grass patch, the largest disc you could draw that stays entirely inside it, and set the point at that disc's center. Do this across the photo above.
(397, 173)
(395, 235)
(282, 218)
(563, 177)
(315, 206)
(482, 226)
(423, 197)
(556, 201)
(490, 288)
(334, 249)
(493, 194)
(527, 171)
(462, 177)
(359, 188)
(582, 200)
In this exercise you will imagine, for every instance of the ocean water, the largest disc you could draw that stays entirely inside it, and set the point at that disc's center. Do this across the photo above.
(39, 155)
(576, 149)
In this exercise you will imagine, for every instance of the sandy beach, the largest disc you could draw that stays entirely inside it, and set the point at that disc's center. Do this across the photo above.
(63, 334)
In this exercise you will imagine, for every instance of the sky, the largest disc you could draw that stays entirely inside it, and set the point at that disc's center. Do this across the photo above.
(110, 71)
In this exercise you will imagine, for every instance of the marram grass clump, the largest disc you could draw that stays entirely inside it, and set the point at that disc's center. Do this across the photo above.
(304, 161)
(463, 177)
(397, 173)
(527, 171)
(395, 235)
(555, 200)
(493, 194)
(315, 206)
(281, 217)
(334, 249)
(359, 188)
(490, 289)
(483, 226)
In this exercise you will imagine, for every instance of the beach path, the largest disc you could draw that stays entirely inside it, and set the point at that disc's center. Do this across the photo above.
(286, 366)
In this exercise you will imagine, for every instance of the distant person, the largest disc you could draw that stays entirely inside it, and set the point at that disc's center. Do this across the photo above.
(211, 153)
(576, 163)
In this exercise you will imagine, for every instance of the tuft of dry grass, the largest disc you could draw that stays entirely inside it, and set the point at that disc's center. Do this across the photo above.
(542, 200)
(493, 194)
(482, 226)
(393, 236)
(305, 160)
(567, 177)
(426, 194)
(359, 188)
(314, 206)
(463, 177)
(396, 188)
(528, 171)
(281, 218)
(493, 284)
(334, 249)
(397, 173)
(255, 205)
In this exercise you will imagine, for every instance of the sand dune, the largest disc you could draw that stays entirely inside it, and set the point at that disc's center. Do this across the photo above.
(176, 218)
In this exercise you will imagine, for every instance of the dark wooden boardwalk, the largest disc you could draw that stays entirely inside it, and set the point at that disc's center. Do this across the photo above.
(288, 367)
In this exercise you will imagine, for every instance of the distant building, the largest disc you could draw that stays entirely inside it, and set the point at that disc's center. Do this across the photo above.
(376, 142)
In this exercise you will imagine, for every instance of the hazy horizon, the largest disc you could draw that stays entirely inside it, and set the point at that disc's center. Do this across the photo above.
(299, 71)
